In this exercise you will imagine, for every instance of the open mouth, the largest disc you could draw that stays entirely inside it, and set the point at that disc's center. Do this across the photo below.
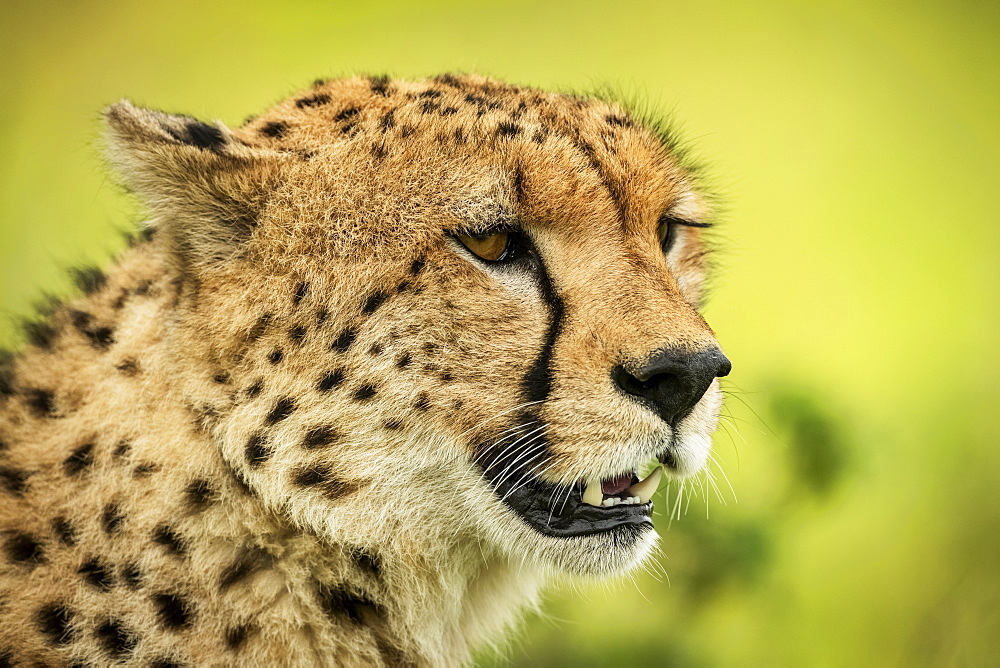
(581, 509)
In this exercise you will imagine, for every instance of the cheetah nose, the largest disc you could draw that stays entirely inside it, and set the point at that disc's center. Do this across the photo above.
(673, 381)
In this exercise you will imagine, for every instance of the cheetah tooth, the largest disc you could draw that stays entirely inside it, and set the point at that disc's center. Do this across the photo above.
(644, 489)
(592, 494)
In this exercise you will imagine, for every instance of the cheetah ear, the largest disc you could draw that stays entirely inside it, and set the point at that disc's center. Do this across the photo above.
(204, 188)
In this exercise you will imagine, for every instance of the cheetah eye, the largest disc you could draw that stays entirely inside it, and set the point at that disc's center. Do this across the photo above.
(494, 247)
(667, 230)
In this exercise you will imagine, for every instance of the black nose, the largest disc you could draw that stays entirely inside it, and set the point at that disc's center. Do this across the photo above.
(673, 381)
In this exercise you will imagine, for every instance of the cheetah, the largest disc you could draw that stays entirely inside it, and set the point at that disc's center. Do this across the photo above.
(383, 362)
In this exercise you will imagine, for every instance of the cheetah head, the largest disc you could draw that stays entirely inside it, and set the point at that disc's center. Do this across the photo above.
(453, 312)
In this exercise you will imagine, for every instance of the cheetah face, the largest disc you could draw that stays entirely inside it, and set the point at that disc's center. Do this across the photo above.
(491, 295)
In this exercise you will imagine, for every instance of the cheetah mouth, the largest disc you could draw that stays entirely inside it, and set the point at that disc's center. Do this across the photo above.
(580, 509)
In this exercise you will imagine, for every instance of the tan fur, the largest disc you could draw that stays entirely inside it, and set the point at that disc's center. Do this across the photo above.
(160, 497)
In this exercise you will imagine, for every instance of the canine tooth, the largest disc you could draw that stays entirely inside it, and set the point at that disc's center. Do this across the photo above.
(592, 494)
(644, 489)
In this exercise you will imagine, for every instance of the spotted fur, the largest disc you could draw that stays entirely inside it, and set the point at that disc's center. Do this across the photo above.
(259, 437)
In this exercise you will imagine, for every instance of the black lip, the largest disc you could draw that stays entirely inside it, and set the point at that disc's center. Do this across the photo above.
(547, 510)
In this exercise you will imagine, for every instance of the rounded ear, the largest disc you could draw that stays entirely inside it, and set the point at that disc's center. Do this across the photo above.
(204, 188)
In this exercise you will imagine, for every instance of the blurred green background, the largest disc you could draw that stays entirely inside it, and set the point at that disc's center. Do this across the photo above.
(857, 149)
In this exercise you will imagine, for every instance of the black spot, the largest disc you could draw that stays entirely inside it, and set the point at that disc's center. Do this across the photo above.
(144, 288)
(168, 537)
(448, 80)
(88, 279)
(164, 663)
(205, 136)
(407, 131)
(236, 635)
(39, 333)
(257, 451)
(6, 659)
(24, 548)
(403, 360)
(373, 302)
(111, 518)
(276, 356)
(618, 121)
(274, 129)
(331, 380)
(131, 576)
(403, 286)
(429, 107)
(101, 338)
(508, 130)
(115, 640)
(64, 531)
(281, 410)
(55, 621)
(365, 392)
(221, 377)
(321, 316)
(446, 377)
(344, 341)
(255, 389)
(337, 603)
(313, 101)
(376, 349)
(349, 129)
(259, 327)
(346, 114)
(13, 480)
(6, 374)
(319, 437)
(422, 402)
(417, 265)
(394, 424)
(301, 290)
(121, 449)
(199, 494)
(96, 574)
(128, 367)
(297, 333)
(41, 402)
(388, 120)
(320, 476)
(82, 458)
(430, 348)
(379, 150)
(430, 94)
(144, 469)
(80, 319)
(245, 565)
(380, 85)
(367, 561)
(174, 611)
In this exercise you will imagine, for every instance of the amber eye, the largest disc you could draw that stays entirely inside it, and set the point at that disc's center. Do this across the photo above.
(490, 247)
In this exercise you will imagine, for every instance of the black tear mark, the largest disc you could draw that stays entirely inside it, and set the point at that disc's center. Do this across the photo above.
(199, 494)
(111, 518)
(313, 101)
(205, 136)
(168, 537)
(64, 531)
(330, 380)
(257, 450)
(80, 459)
(320, 437)
(174, 611)
(41, 402)
(337, 603)
(96, 574)
(281, 410)
(13, 480)
(374, 300)
(344, 341)
(115, 639)
(55, 621)
(23, 548)
(88, 279)
(275, 129)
